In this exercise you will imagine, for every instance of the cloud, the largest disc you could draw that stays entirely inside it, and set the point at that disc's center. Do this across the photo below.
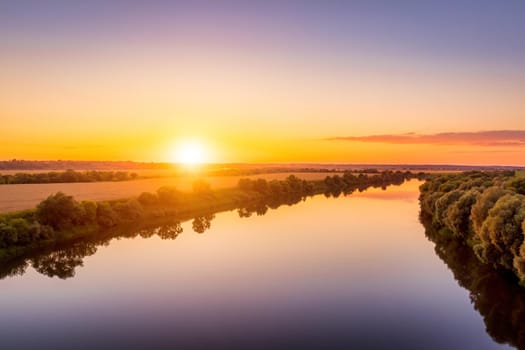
(491, 138)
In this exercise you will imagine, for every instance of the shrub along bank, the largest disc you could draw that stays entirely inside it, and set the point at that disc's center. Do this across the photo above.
(486, 210)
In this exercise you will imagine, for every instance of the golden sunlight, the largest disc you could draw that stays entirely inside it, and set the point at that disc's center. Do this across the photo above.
(189, 152)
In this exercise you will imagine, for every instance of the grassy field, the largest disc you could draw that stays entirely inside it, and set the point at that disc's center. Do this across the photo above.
(27, 196)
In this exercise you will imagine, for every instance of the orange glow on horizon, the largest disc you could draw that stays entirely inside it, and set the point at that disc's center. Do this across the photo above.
(253, 89)
(257, 149)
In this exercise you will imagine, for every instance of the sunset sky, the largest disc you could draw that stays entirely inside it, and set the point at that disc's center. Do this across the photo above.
(264, 81)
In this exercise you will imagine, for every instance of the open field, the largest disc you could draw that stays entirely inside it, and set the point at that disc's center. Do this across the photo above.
(27, 196)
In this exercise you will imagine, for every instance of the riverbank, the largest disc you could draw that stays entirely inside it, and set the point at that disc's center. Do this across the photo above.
(60, 218)
(18, 197)
(485, 210)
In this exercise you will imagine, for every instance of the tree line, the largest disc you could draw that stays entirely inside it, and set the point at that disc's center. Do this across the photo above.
(60, 216)
(67, 176)
(165, 210)
(350, 182)
(484, 209)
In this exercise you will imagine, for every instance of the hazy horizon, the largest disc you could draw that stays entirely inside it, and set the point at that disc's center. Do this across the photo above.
(269, 164)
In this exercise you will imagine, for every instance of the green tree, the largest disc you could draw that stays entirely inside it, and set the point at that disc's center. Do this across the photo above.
(517, 185)
(147, 199)
(519, 261)
(503, 229)
(8, 235)
(86, 213)
(106, 216)
(57, 211)
(25, 231)
(168, 195)
(442, 205)
(261, 186)
(458, 214)
(129, 210)
(484, 203)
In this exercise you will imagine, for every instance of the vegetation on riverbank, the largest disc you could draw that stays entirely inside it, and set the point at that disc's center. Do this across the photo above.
(68, 176)
(495, 295)
(486, 210)
(61, 218)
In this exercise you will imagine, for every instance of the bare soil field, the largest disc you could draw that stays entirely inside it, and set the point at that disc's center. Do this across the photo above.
(27, 196)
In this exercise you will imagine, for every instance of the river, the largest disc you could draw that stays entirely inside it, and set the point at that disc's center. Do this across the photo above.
(354, 272)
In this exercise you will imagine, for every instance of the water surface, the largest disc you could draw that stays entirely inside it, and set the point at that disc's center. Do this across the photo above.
(328, 273)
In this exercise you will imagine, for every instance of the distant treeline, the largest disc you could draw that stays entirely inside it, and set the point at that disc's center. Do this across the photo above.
(486, 210)
(20, 164)
(284, 169)
(349, 182)
(242, 171)
(67, 176)
(71, 176)
(60, 217)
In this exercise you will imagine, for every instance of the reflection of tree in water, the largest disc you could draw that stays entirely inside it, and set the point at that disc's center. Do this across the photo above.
(202, 223)
(169, 231)
(495, 295)
(14, 268)
(260, 208)
(62, 263)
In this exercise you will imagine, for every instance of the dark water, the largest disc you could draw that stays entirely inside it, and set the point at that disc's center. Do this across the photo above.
(355, 272)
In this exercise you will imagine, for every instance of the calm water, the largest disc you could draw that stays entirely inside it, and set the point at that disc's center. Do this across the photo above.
(354, 272)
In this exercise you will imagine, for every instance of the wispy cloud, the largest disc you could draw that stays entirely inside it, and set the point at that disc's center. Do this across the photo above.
(491, 138)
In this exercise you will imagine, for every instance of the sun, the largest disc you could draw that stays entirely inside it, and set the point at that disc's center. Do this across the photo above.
(189, 152)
